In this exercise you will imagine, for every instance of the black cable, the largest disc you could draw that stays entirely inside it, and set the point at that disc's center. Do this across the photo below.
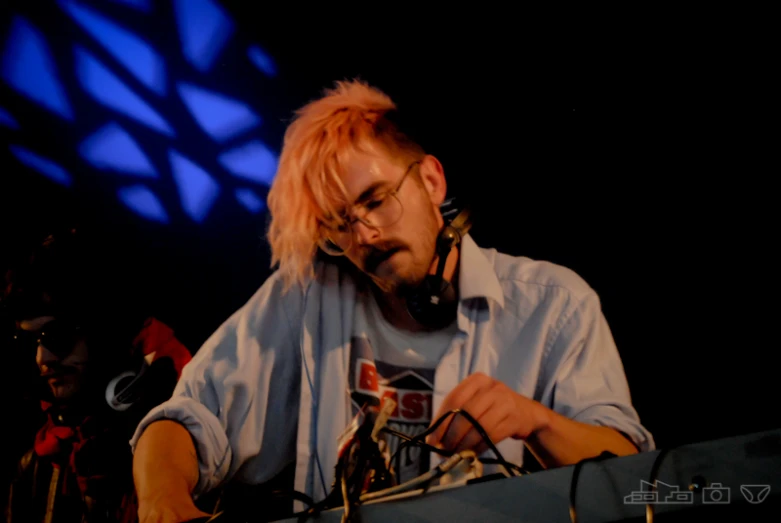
(295, 495)
(649, 507)
(418, 440)
(573, 486)
(491, 461)
(480, 430)
(448, 453)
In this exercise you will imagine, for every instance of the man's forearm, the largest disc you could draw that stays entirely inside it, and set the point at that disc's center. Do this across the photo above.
(165, 460)
(563, 441)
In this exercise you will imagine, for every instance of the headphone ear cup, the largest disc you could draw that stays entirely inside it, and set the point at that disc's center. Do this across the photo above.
(434, 303)
(126, 389)
(116, 387)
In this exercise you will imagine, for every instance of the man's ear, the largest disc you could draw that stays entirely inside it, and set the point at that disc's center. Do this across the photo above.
(433, 176)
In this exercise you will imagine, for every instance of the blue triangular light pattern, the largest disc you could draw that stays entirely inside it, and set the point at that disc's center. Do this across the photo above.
(250, 200)
(131, 51)
(252, 161)
(141, 5)
(43, 165)
(112, 148)
(204, 28)
(219, 116)
(143, 202)
(262, 60)
(28, 67)
(7, 120)
(197, 190)
(109, 90)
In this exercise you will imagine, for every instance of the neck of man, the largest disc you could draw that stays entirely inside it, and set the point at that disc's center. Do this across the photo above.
(394, 307)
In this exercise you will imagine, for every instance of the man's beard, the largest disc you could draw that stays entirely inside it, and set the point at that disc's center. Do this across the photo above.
(409, 279)
(415, 271)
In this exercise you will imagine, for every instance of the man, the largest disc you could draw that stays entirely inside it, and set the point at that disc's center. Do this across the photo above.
(355, 216)
(78, 467)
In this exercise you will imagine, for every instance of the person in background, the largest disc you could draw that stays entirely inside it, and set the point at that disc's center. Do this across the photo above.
(100, 368)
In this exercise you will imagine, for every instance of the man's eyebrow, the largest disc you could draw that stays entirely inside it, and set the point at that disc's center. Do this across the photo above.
(365, 195)
(369, 191)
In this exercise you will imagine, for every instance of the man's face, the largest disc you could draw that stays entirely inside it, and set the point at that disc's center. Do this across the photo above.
(63, 365)
(400, 255)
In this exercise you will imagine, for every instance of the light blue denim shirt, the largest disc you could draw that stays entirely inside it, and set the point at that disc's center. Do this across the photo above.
(269, 387)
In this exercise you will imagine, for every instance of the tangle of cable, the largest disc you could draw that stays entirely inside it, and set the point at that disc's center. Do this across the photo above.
(448, 453)
(420, 438)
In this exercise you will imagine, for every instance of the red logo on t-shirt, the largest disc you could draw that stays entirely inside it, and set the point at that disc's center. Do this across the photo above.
(413, 405)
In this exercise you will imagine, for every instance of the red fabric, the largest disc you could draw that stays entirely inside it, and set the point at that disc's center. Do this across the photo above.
(159, 338)
(90, 454)
(50, 438)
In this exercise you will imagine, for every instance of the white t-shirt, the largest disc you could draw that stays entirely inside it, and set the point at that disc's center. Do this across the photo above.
(399, 364)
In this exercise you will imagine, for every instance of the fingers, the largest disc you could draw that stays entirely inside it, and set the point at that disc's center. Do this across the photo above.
(481, 407)
(501, 432)
(491, 422)
(458, 397)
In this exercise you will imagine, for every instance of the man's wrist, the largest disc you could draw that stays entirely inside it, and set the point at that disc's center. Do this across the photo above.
(544, 419)
(541, 417)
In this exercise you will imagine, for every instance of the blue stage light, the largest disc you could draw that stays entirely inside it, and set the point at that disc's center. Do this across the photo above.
(250, 200)
(204, 29)
(109, 90)
(128, 49)
(197, 189)
(141, 5)
(112, 148)
(28, 67)
(252, 161)
(125, 79)
(143, 202)
(219, 116)
(43, 165)
(7, 120)
(262, 60)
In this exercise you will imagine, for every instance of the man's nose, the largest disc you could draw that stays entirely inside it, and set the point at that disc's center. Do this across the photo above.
(44, 357)
(364, 234)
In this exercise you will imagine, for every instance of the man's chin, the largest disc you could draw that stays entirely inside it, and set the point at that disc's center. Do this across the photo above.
(394, 283)
(63, 392)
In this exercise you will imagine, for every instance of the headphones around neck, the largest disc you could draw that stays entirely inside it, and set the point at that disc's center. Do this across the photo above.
(434, 303)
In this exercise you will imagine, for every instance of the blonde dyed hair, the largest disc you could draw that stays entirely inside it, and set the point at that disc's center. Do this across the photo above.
(307, 190)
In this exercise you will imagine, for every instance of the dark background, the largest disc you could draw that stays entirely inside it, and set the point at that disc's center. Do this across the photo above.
(638, 160)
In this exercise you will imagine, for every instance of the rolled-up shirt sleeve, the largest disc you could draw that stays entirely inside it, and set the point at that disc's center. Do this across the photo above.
(585, 378)
(238, 397)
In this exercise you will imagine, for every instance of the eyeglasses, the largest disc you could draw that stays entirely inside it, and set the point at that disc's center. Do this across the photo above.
(380, 210)
(59, 338)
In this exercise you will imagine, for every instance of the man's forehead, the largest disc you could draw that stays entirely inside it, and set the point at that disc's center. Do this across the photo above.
(366, 175)
(363, 170)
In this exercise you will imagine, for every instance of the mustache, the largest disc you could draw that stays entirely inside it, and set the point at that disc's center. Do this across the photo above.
(58, 371)
(376, 254)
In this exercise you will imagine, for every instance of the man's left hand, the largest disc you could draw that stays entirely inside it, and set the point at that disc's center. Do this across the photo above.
(501, 411)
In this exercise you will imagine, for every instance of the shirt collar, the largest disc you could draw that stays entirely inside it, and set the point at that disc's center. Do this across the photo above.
(477, 277)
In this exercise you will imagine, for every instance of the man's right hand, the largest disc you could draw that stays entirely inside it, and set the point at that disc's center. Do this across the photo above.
(169, 509)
